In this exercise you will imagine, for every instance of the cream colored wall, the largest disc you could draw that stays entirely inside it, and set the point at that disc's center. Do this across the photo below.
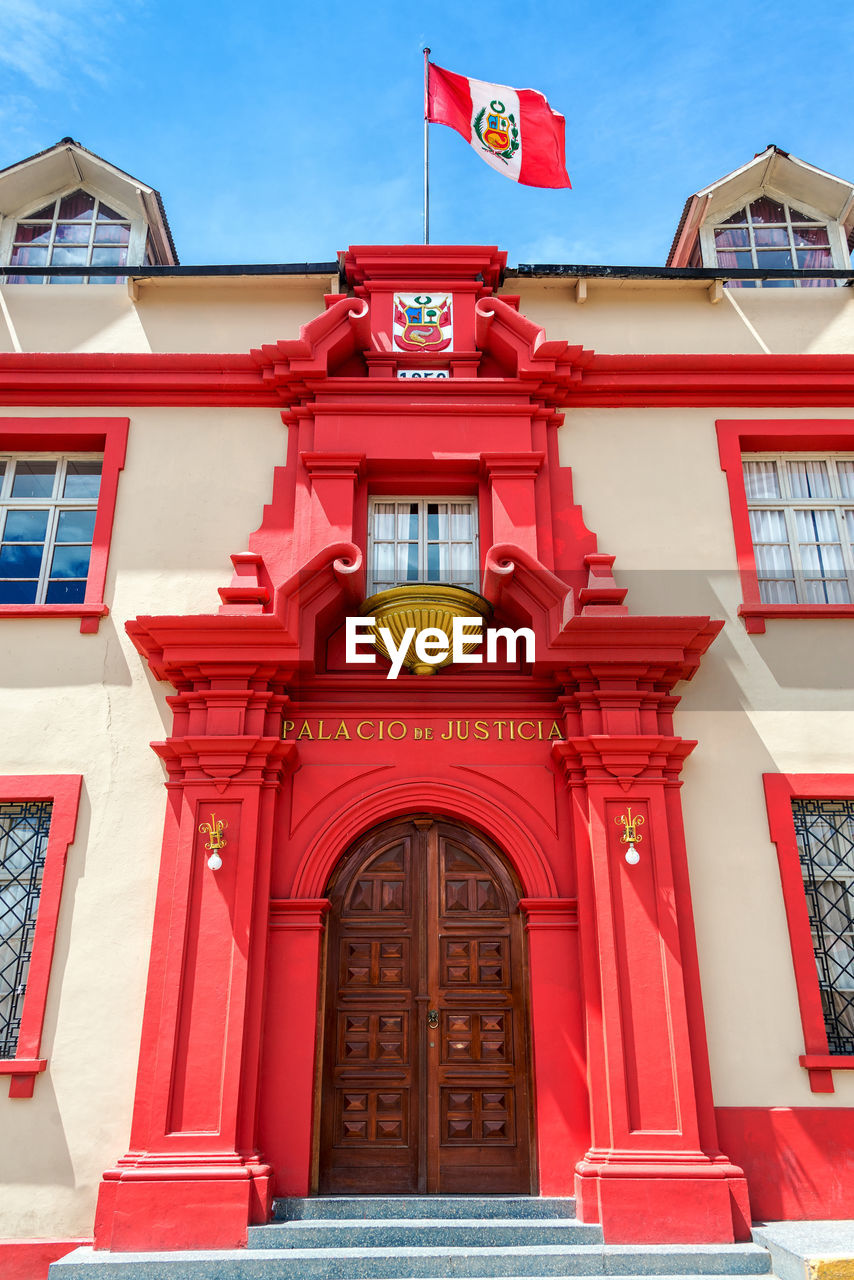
(169, 314)
(633, 316)
(651, 486)
(193, 487)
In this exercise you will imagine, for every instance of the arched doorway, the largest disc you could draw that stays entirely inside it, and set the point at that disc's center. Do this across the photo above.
(425, 1080)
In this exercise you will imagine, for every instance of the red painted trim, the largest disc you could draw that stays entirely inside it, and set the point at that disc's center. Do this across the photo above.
(780, 790)
(31, 1259)
(64, 791)
(799, 1161)
(107, 436)
(827, 1061)
(47, 378)
(739, 436)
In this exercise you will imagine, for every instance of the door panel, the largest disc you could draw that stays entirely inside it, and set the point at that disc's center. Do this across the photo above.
(425, 1079)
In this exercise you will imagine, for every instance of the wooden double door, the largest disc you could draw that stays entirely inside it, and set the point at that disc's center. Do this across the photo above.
(425, 1080)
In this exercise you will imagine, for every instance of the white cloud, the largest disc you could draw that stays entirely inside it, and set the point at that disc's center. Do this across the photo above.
(51, 44)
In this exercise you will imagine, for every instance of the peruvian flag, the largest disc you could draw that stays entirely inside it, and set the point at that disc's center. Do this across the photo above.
(514, 130)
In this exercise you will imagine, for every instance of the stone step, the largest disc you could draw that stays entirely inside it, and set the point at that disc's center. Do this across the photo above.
(419, 1263)
(393, 1233)
(360, 1207)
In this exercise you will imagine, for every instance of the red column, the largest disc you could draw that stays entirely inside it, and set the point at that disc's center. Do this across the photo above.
(293, 973)
(652, 1172)
(557, 1033)
(193, 1174)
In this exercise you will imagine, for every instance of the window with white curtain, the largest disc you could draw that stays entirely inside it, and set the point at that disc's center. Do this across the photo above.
(801, 510)
(422, 540)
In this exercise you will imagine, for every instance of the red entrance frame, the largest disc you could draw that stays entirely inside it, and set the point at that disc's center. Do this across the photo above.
(63, 790)
(780, 790)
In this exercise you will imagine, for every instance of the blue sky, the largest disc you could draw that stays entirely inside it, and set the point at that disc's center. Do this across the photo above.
(283, 133)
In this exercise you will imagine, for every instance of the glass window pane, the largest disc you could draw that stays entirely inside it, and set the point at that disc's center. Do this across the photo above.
(742, 259)
(737, 238)
(71, 233)
(383, 561)
(767, 210)
(25, 526)
(20, 560)
(461, 519)
(37, 234)
(82, 479)
(28, 256)
(437, 562)
(407, 521)
(77, 207)
(822, 560)
(810, 235)
(43, 215)
(104, 211)
(816, 526)
(761, 480)
(33, 479)
(809, 479)
(384, 520)
(815, 258)
(768, 526)
(69, 256)
(797, 216)
(407, 562)
(113, 256)
(437, 521)
(75, 526)
(773, 561)
(18, 592)
(771, 236)
(462, 562)
(768, 259)
(68, 591)
(780, 592)
(112, 233)
(70, 562)
(740, 215)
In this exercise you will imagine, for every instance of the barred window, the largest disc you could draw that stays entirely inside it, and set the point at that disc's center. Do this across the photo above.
(47, 521)
(24, 828)
(801, 511)
(422, 540)
(825, 834)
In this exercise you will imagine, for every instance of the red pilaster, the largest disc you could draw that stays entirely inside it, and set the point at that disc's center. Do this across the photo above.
(557, 1026)
(293, 971)
(193, 1175)
(512, 477)
(649, 1173)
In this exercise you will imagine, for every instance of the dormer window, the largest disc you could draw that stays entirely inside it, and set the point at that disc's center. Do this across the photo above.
(73, 230)
(766, 234)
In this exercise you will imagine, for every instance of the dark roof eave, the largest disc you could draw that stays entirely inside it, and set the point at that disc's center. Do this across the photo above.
(558, 270)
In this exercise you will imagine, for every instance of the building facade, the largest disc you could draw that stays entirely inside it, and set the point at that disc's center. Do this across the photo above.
(574, 918)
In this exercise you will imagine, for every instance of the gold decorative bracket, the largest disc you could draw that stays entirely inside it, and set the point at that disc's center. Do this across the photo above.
(216, 841)
(631, 836)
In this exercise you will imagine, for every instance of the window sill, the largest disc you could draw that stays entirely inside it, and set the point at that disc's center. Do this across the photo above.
(89, 614)
(23, 1072)
(755, 615)
(821, 1066)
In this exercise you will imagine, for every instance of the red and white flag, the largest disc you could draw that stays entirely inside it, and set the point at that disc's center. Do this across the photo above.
(514, 130)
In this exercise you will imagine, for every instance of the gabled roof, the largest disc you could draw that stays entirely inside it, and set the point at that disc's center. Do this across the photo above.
(773, 172)
(67, 164)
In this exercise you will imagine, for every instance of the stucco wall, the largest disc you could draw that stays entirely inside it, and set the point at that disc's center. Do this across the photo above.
(193, 487)
(651, 486)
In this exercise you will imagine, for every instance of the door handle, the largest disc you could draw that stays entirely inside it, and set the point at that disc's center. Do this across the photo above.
(432, 1017)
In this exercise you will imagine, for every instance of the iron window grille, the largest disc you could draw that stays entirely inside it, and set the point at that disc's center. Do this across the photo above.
(801, 510)
(47, 520)
(24, 827)
(422, 540)
(824, 830)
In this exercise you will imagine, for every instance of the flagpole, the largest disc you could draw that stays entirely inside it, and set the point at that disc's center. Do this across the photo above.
(426, 154)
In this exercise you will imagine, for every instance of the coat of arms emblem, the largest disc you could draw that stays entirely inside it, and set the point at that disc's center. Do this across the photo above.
(422, 323)
(497, 130)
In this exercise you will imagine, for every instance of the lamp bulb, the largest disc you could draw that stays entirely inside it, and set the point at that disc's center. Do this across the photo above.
(215, 861)
(632, 856)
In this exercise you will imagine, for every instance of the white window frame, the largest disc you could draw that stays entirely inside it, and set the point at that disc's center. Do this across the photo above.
(54, 505)
(788, 503)
(423, 541)
(136, 243)
(841, 259)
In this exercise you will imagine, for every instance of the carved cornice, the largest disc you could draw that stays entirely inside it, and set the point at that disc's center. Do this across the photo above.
(606, 758)
(219, 761)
